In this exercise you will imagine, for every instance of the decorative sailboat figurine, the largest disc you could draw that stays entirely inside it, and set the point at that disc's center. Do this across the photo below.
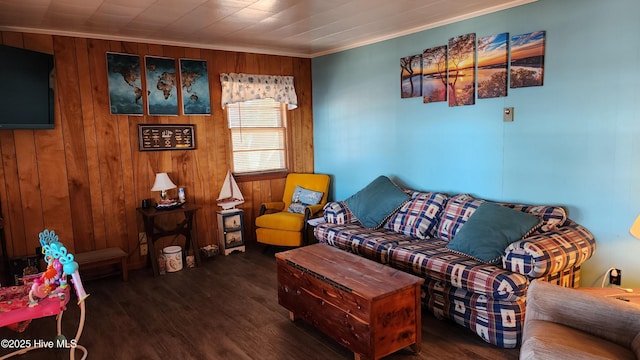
(230, 194)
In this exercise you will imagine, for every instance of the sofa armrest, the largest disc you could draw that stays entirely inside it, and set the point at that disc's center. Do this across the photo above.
(273, 206)
(604, 317)
(551, 252)
(337, 212)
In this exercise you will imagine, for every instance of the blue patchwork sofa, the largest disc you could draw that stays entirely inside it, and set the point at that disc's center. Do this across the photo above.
(487, 299)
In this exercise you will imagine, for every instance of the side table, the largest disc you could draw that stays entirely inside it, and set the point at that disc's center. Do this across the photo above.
(614, 293)
(155, 232)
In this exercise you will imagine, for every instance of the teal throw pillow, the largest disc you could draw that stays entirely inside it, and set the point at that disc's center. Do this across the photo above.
(376, 202)
(489, 230)
(302, 198)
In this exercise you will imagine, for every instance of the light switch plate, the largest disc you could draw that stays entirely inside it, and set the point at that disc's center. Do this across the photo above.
(507, 114)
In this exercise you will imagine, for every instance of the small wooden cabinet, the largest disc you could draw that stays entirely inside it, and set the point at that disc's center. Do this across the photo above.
(230, 231)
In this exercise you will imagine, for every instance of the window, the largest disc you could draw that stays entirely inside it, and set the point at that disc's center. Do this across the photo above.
(258, 136)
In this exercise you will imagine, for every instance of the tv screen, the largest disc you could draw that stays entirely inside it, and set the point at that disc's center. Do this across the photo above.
(26, 89)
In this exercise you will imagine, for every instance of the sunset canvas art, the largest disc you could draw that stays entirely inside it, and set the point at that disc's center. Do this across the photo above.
(410, 76)
(461, 74)
(527, 59)
(492, 66)
(434, 74)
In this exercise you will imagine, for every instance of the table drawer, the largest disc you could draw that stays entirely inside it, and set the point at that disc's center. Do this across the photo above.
(324, 315)
(322, 287)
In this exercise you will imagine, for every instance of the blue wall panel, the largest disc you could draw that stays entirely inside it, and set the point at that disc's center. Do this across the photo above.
(574, 141)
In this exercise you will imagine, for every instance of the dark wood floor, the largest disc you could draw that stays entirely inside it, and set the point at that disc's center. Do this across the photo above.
(225, 309)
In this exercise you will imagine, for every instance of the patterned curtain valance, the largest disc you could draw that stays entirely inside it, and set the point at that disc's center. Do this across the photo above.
(243, 87)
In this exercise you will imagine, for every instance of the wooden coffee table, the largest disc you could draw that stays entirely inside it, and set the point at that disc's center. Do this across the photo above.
(372, 309)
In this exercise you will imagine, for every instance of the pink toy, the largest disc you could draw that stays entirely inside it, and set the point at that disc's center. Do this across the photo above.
(48, 295)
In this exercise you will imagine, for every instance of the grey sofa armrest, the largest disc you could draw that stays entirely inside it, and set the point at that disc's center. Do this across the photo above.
(603, 317)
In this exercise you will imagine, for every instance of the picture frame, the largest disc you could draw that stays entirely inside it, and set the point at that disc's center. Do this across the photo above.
(125, 87)
(162, 89)
(156, 137)
(194, 79)
(527, 60)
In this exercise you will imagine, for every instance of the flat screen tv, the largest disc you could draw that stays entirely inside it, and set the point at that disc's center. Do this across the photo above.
(26, 89)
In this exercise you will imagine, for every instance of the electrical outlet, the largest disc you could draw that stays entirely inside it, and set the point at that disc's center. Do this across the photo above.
(615, 277)
(507, 114)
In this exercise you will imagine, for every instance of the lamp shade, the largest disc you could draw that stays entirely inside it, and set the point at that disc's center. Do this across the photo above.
(635, 228)
(163, 183)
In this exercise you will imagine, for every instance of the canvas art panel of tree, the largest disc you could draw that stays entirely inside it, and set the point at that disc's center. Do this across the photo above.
(410, 76)
(461, 73)
(527, 59)
(434, 74)
(493, 61)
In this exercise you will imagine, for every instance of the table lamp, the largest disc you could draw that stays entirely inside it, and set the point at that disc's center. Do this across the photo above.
(162, 184)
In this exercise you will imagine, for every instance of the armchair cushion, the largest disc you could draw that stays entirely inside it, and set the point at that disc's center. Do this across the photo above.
(303, 197)
(373, 205)
(284, 220)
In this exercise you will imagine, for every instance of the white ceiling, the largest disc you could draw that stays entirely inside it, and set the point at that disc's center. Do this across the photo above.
(304, 28)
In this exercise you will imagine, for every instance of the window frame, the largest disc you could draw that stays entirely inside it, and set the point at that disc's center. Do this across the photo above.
(265, 174)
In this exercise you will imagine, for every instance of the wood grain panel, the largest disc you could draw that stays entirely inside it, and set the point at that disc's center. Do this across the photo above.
(86, 177)
(69, 87)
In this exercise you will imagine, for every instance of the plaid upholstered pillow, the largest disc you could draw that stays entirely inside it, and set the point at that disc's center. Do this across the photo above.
(458, 210)
(419, 216)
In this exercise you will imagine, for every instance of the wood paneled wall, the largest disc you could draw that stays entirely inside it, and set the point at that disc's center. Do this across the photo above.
(85, 178)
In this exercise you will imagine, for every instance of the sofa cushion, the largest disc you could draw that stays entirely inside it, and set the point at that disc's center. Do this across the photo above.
(337, 212)
(373, 244)
(458, 210)
(373, 205)
(419, 216)
(429, 258)
(489, 231)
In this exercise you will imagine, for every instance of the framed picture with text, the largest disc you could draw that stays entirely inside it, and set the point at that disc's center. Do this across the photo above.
(155, 137)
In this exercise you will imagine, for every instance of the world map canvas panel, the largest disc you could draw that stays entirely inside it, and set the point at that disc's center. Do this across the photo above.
(194, 79)
(162, 97)
(125, 87)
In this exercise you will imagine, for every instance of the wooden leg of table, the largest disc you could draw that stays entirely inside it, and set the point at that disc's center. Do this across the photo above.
(190, 239)
(148, 227)
(125, 269)
(292, 316)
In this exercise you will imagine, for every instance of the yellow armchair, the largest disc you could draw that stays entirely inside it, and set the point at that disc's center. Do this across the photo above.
(276, 225)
